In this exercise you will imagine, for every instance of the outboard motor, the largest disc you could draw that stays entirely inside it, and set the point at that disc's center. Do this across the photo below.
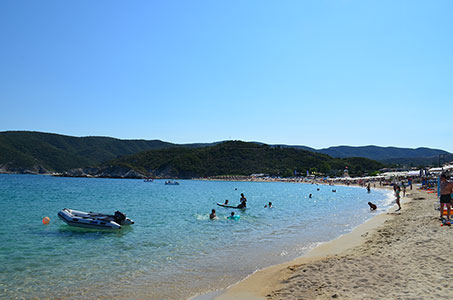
(119, 217)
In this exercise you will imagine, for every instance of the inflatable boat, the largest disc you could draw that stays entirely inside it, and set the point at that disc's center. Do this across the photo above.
(93, 220)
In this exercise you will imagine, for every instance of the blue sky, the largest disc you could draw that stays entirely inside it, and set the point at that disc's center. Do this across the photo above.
(315, 73)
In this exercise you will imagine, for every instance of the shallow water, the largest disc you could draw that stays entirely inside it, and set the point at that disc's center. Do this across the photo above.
(173, 251)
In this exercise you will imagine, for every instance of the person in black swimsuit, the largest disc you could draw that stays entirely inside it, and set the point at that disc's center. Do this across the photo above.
(243, 202)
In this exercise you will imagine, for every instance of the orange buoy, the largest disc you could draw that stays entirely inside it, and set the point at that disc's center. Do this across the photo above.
(46, 220)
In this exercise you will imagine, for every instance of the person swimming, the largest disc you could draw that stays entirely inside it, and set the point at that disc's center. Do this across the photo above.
(212, 215)
(233, 216)
(268, 205)
(310, 196)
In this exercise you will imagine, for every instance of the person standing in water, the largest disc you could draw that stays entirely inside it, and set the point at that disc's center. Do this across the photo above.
(243, 203)
(397, 194)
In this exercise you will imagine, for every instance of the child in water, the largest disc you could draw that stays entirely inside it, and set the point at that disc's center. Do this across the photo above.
(212, 216)
(372, 206)
(233, 216)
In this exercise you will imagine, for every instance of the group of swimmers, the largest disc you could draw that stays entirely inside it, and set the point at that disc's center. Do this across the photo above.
(232, 216)
(242, 205)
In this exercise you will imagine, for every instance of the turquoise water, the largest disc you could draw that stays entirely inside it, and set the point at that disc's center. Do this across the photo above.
(173, 251)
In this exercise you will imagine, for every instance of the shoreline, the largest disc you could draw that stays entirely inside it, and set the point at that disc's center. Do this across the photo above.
(260, 283)
(270, 283)
(371, 262)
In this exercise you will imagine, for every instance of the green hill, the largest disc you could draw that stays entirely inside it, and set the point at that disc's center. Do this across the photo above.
(38, 152)
(26, 151)
(42, 152)
(382, 153)
(240, 158)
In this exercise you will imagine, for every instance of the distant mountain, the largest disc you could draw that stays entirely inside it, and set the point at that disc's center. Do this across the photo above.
(239, 158)
(420, 161)
(388, 155)
(380, 153)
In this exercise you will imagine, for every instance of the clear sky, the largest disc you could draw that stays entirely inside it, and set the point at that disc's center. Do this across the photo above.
(316, 73)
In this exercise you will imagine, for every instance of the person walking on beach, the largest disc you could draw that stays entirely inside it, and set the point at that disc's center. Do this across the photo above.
(446, 189)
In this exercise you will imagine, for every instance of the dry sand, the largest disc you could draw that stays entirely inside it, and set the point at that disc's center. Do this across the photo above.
(396, 255)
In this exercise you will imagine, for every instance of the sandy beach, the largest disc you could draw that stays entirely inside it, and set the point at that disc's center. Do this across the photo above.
(395, 255)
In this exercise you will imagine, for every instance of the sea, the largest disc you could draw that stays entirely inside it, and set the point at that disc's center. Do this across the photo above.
(173, 251)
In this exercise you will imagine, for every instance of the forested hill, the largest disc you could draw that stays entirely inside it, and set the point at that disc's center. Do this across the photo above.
(42, 152)
(240, 158)
(38, 152)
(381, 153)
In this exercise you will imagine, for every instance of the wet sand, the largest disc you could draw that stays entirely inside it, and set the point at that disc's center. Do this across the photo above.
(395, 255)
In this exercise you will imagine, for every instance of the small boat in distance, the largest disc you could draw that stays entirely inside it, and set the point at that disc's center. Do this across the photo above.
(171, 182)
(94, 220)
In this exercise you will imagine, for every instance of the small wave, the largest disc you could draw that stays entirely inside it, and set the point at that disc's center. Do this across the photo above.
(389, 198)
(202, 217)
